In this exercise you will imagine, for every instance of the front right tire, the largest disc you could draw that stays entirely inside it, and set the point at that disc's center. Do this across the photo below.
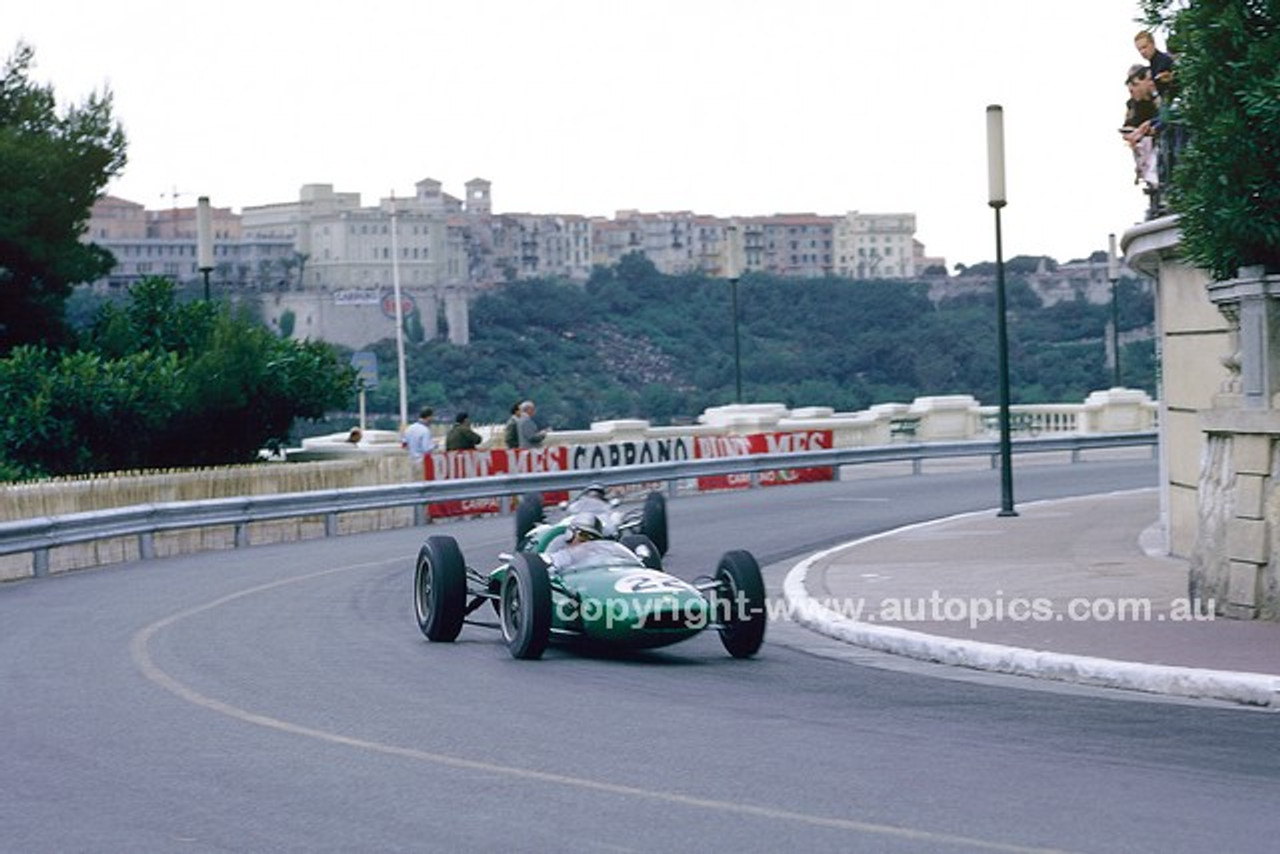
(526, 607)
(740, 604)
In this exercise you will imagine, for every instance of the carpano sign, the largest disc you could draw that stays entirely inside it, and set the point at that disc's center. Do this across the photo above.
(618, 454)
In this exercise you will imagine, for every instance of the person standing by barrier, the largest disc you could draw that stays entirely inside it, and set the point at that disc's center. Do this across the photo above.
(1160, 63)
(1141, 124)
(461, 437)
(531, 436)
(1172, 134)
(511, 432)
(419, 442)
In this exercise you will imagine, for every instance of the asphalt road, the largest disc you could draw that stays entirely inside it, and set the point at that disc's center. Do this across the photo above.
(281, 698)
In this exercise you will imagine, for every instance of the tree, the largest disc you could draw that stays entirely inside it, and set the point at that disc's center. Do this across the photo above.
(1226, 182)
(161, 383)
(52, 168)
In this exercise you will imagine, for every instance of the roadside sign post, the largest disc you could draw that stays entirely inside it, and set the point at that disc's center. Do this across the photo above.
(366, 362)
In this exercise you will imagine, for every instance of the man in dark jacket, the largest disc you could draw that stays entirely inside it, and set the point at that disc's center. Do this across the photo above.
(511, 433)
(461, 437)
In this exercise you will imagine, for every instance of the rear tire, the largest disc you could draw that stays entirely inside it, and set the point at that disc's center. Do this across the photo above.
(653, 522)
(526, 607)
(529, 515)
(740, 604)
(440, 589)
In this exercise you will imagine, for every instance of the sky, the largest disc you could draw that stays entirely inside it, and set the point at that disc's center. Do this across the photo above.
(719, 107)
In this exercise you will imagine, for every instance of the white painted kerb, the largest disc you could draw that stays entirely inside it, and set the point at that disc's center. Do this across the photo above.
(1254, 689)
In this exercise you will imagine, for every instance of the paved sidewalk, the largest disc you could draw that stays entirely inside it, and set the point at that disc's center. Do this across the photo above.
(1065, 590)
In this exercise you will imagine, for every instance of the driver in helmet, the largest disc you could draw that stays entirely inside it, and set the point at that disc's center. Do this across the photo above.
(584, 528)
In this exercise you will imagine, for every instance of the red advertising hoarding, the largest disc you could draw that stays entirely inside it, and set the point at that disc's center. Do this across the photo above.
(763, 443)
(454, 465)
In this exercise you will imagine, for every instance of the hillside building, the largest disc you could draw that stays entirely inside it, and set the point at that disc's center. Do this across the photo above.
(322, 265)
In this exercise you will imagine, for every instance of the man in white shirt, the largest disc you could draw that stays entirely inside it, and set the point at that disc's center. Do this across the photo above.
(418, 440)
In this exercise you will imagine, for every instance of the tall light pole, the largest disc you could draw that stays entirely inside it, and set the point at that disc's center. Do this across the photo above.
(1113, 273)
(204, 241)
(996, 199)
(395, 288)
(733, 270)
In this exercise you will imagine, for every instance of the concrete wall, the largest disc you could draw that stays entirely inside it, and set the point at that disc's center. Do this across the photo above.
(339, 320)
(1219, 349)
(1192, 338)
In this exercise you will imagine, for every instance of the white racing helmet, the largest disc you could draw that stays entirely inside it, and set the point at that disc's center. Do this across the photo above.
(586, 526)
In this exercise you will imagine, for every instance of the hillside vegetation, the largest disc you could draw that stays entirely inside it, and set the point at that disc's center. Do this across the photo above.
(634, 343)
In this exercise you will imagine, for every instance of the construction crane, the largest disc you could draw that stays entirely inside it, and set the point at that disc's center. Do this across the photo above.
(173, 195)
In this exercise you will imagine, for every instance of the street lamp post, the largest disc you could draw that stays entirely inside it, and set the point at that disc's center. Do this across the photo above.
(996, 199)
(734, 272)
(1113, 273)
(399, 315)
(204, 241)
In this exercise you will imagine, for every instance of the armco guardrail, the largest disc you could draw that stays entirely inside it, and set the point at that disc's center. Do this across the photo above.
(39, 535)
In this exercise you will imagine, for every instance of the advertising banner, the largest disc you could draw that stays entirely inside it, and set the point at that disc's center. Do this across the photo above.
(763, 443)
(451, 465)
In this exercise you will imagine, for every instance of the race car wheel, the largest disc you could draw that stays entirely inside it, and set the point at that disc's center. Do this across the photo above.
(526, 607)
(644, 549)
(529, 515)
(740, 604)
(440, 589)
(654, 520)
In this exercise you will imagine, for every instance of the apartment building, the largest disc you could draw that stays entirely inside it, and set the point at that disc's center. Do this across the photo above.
(876, 246)
(163, 243)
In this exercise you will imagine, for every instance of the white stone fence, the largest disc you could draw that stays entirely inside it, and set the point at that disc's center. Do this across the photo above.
(943, 418)
(929, 419)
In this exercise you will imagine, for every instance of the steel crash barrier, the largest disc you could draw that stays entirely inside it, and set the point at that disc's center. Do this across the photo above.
(39, 536)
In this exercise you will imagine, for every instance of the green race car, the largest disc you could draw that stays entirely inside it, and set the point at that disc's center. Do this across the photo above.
(601, 592)
(649, 518)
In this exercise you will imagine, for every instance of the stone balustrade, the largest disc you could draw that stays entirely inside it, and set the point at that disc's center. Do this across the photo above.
(936, 418)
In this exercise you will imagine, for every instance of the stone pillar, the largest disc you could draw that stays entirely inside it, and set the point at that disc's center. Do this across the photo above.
(429, 313)
(1238, 496)
(1117, 410)
(457, 317)
(946, 417)
(1249, 302)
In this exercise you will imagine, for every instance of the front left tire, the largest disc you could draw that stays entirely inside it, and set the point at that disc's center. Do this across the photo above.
(440, 589)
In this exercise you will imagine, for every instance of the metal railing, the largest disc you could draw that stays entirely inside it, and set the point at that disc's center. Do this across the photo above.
(39, 535)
